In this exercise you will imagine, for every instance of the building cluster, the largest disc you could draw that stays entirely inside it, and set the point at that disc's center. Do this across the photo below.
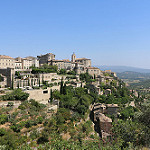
(103, 122)
(18, 63)
(9, 65)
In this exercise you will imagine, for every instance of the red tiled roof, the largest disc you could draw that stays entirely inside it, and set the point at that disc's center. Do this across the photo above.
(6, 57)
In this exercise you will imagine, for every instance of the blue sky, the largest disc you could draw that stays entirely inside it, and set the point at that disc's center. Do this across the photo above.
(110, 32)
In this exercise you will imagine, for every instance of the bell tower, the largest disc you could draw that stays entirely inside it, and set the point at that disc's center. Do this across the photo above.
(73, 57)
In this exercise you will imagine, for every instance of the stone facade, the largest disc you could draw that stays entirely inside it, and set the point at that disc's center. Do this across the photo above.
(18, 65)
(29, 61)
(9, 73)
(39, 94)
(112, 109)
(93, 71)
(86, 62)
(6, 62)
(45, 59)
(3, 83)
(79, 68)
(25, 63)
(73, 57)
(49, 77)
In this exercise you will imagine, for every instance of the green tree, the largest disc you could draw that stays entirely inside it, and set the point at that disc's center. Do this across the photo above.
(61, 86)
(3, 118)
(62, 71)
(12, 82)
(39, 82)
(51, 96)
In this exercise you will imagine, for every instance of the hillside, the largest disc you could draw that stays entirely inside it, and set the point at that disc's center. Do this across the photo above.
(141, 85)
(130, 75)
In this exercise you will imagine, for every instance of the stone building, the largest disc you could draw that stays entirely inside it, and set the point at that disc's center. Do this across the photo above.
(85, 61)
(18, 65)
(25, 63)
(39, 94)
(79, 68)
(105, 125)
(9, 73)
(29, 61)
(112, 109)
(6, 62)
(3, 82)
(113, 74)
(98, 108)
(45, 59)
(49, 77)
(94, 71)
(35, 61)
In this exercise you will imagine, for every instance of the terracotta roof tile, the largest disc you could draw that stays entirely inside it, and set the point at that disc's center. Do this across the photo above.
(6, 57)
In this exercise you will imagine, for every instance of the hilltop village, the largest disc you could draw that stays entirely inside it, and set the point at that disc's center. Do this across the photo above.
(9, 66)
(44, 99)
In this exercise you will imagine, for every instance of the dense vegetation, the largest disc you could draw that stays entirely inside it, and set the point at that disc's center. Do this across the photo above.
(44, 69)
(141, 85)
(16, 94)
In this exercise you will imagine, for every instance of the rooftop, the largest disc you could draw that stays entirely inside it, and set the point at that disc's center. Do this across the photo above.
(104, 118)
(112, 105)
(30, 57)
(92, 68)
(82, 59)
(6, 57)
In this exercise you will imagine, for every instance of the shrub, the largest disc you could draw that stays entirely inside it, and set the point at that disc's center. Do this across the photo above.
(2, 131)
(3, 118)
(10, 104)
(17, 94)
(16, 127)
(40, 119)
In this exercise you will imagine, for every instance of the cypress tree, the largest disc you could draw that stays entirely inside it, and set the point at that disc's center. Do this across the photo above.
(32, 82)
(28, 82)
(43, 79)
(23, 83)
(64, 89)
(61, 86)
(51, 96)
(12, 82)
(39, 82)
(94, 76)
(18, 85)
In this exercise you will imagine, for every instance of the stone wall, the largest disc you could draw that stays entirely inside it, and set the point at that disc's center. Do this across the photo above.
(3, 83)
(39, 94)
(9, 73)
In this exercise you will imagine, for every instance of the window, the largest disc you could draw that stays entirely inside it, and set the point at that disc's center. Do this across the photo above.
(45, 92)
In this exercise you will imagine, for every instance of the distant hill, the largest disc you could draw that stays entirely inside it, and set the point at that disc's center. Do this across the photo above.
(120, 69)
(130, 75)
(141, 85)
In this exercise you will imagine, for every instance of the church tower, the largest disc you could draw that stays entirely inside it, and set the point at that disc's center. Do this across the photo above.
(73, 57)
